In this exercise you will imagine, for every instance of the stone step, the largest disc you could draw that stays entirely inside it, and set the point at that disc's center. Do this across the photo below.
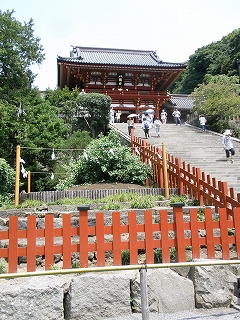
(200, 150)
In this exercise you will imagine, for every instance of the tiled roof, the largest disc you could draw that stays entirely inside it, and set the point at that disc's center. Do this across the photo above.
(86, 55)
(180, 101)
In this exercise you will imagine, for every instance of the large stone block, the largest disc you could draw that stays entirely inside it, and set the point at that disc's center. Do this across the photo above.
(214, 285)
(98, 295)
(32, 298)
(167, 292)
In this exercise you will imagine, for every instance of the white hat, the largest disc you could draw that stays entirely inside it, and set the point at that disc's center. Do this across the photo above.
(227, 132)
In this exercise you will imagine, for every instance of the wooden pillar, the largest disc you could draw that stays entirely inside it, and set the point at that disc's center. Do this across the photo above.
(157, 107)
(68, 76)
(137, 103)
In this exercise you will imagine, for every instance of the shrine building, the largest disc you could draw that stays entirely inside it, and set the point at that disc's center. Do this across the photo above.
(136, 80)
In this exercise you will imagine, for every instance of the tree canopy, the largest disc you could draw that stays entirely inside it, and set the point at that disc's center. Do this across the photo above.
(216, 58)
(19, 50)
(95, 109)
(219, 100)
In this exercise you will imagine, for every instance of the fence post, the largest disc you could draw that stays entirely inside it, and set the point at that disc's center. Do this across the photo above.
(180, 182)
(83, 235)
(144, 294)
(29, 182)
(199, 186)
(165, 174)
(179, 231)
(17, 182)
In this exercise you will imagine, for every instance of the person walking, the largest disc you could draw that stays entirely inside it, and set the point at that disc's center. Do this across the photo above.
(146, 127)
(118, 116)
(228, 145)
(111, 115)
(164, 116)
(130, 124)
(202, 121)
(157, 124)
(177, 116)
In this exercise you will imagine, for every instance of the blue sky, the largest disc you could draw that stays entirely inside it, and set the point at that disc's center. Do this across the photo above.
(175, 28)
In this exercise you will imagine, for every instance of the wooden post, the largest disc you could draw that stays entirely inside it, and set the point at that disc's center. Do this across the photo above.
(29, 182)
(83, 235)
(179, 231)
(17, 179)
(165, 174)
(144, 295)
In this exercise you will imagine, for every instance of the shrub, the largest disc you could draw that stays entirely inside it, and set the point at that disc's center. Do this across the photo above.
(173, 198)
(143, 202)
(200, 214)
(110, 206)
(231, 231)
(106, 160)
(125, 257)
(7, 180)
(193, 202)
(158, 255)
(3, 266)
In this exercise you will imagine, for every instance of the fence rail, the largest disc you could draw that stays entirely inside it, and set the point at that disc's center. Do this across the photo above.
(52, 196)
(158, 231)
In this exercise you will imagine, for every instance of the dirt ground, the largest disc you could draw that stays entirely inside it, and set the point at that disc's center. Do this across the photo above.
(107, 186)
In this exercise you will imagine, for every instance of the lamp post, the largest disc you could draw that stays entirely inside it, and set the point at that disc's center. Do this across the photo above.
(238, 63)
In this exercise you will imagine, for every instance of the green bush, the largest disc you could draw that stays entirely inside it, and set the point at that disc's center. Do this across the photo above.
(69, 201)
(193, 202)
(125, 257)
(200, 214)
(31, 204)
(143, 202)
(173, 198)
(7, 180)
(231, 231)
(3, 266)
(158, 255)
(121, 197)
(110, 206)
(106, 160)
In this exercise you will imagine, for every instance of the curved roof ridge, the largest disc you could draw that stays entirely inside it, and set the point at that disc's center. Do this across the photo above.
(98, 49)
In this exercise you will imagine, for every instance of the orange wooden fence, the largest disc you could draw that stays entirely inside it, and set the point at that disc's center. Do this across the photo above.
(189, 180)
(178, 232)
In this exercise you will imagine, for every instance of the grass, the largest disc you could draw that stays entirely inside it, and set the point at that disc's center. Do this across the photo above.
(114, 202)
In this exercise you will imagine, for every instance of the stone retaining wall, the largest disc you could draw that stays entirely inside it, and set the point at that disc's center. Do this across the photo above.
(92, 296)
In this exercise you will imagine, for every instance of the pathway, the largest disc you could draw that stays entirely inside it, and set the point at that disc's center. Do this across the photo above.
(201, 150)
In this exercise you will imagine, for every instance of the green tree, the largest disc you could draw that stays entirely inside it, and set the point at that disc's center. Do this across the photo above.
(66, 102)
(7, 179)
(106, 160)
(19, 50)
(94, 108)
(216, 58)
(218, 99)
(88, 112)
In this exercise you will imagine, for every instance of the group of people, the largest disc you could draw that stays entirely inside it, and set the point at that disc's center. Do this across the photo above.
(146, 126)
(115, 118)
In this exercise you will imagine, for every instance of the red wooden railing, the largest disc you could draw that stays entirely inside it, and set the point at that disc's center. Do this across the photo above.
(147, 236)
(189, 180)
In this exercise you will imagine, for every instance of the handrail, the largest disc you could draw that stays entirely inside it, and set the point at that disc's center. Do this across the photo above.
(120, 268)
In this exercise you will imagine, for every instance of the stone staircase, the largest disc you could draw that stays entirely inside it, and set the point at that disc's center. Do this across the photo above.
(200, 150)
